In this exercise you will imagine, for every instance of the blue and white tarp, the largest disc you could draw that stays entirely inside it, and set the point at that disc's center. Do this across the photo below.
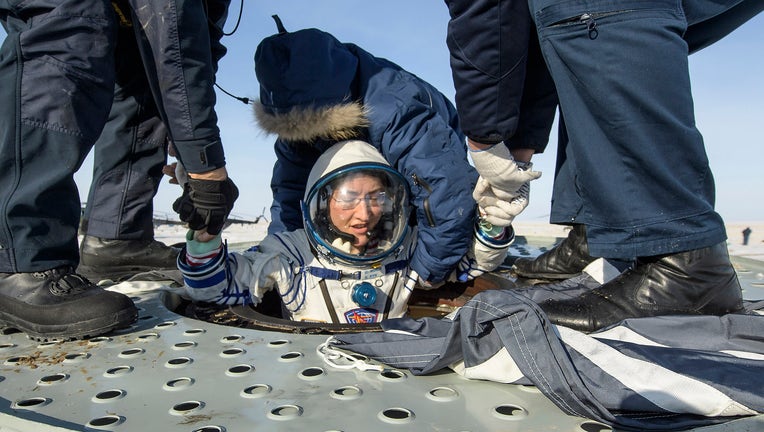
(657, 373)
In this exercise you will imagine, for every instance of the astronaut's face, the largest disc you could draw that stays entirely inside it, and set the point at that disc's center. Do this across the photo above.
(356, 207)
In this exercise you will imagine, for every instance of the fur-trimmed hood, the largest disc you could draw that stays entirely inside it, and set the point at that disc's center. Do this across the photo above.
(306, 79)
(332, 122)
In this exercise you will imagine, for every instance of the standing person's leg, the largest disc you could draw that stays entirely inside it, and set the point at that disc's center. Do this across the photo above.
(129, 156)
(189, 34)
(569, 257)
(707, 22)
(57, 72)
(642, 176)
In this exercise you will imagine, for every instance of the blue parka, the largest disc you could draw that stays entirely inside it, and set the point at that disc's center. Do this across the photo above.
(316, 91)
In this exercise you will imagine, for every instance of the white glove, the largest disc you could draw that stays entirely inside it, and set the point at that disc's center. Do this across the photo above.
(497, 207)
(414, 281)
(498, 167)
(481, 258)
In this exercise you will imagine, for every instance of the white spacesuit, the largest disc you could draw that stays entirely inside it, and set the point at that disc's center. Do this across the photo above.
(351, 262)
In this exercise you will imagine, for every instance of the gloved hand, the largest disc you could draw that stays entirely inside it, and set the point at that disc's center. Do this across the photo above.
(205, 204)
(487, 251)
(497, 207)
(197, 249)
(498, 167)
(413, 281)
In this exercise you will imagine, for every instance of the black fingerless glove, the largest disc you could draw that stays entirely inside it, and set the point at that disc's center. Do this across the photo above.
(205, 204)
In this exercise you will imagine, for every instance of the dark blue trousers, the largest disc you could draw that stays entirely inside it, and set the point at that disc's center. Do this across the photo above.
(54, 100)
(129, 154)
(57, 66)
(503, 89)
(634, 167)
(132, 149)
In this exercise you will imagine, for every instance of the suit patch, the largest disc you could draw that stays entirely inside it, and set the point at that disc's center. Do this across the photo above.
(361, 316)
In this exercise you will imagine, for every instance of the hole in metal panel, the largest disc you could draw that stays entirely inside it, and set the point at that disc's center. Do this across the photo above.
(290, 356)
(442, 394)
(231, 338)
(178, 383)
(75, 358)
(148, 336)
(46, 344)
(53, 379)
(118, 371)
(590, 426)
(187, 407)
(132, 352)
(285, 412)
(17, 360)
(396, 415)
(31, 403)
(210, 429)
(256, 391)
(311, 373)
(510, 412)
(178, 362)
(99, 339)
(184, 345)
(105, 421)
(109, 395)
(391, 375)
(347, 393)
(239, 370)
(278, 342)
(6, 346)
(165, 324)
(232, 352)
(192, 332)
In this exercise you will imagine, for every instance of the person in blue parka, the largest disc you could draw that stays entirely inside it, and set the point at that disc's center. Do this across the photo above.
(316, 91)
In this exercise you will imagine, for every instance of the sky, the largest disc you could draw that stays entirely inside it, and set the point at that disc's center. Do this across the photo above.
(727, 85)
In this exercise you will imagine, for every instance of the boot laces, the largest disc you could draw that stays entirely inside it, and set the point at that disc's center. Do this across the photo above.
(64, 281)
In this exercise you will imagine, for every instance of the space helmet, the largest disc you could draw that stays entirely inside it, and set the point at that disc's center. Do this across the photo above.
(356, 207)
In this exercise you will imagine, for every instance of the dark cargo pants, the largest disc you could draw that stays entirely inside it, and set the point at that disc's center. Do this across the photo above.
(57, 74)
(634, 168)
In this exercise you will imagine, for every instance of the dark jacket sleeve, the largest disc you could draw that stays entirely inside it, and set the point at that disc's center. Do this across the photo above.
(417, 130)
(503, 89)
(184, 86)
(290, 175)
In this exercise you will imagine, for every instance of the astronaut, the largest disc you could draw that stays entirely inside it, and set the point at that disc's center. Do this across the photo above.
(350, 262)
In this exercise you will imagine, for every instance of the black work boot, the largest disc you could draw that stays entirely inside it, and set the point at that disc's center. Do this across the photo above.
(563, 261)
(696, 282)
(59, 304)
(118, 260)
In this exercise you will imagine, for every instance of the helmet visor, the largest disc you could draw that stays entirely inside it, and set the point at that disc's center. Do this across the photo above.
(358, 213)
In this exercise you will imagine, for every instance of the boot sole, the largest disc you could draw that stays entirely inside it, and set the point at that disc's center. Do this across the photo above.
(71, 331)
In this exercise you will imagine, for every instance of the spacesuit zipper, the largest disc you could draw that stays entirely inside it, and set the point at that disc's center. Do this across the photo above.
(426, 203)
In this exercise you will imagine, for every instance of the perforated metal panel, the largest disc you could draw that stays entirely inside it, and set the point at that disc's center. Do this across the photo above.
(172, 373)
